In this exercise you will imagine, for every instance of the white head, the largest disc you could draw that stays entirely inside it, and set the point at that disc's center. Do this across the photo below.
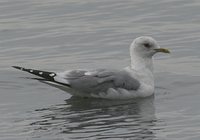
(141, 50)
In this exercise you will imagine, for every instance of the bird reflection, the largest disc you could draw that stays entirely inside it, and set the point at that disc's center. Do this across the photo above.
(81, 118)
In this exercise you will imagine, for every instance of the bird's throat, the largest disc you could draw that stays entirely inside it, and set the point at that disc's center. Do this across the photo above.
(141, 63)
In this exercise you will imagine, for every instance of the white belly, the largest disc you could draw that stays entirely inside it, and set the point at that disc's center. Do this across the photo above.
(111, 93)
(123, 94)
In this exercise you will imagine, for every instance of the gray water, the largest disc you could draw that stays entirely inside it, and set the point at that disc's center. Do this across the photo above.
(58, 35)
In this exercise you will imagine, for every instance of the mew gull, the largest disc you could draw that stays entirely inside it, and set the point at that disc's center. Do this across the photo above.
(137, 80)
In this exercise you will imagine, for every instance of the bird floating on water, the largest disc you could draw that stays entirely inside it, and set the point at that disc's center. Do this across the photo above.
(136, 80)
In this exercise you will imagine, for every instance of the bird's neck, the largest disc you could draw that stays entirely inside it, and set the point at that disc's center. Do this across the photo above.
(144, 69)
(140, 64)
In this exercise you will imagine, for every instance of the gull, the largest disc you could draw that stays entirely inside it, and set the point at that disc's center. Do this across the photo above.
(136, 80)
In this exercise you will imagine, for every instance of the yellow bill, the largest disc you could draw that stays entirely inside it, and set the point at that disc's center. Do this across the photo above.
(163, 50)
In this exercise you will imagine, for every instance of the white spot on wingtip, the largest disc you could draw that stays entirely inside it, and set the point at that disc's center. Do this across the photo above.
(88, 73)
(40, 73)
(31, 70)
(52, 74)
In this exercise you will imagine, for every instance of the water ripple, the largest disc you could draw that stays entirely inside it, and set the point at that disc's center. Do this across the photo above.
(59, 35)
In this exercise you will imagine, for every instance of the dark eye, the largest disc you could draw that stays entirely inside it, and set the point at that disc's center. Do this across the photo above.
(146, 45)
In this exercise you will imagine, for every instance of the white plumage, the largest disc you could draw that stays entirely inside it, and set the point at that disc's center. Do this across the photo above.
(137, 80)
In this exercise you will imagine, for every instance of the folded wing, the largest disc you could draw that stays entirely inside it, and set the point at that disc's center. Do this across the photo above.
(88, 81)
(97, 81)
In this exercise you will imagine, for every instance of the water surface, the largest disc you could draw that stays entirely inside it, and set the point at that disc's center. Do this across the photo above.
(58, 35)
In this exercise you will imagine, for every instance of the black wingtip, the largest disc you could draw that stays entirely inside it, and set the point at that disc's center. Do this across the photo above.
(17, 67)
(48, 76)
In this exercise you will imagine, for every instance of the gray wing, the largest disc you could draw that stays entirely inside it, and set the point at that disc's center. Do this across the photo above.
(88, 81)
(99, 80)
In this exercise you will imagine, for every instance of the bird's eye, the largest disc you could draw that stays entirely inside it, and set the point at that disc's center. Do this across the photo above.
(146, 45)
